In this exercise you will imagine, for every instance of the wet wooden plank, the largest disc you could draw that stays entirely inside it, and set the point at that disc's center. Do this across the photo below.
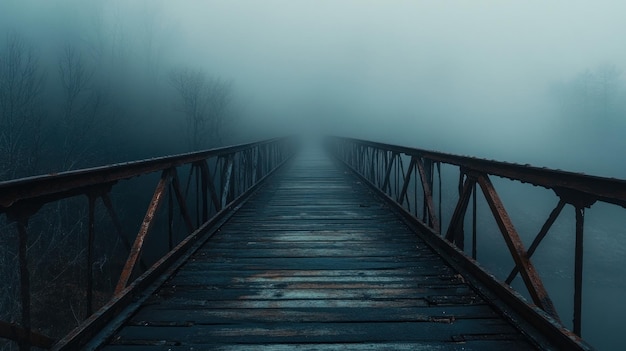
(318, 263)
(469, 345)
(263, 279)
(160, 316)
(315, 262)
(357, 304)
(252, 333)
(435, 296)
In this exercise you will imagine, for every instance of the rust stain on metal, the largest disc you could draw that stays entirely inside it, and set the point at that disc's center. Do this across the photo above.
(146, 225)
(429, 196)
(531, 278)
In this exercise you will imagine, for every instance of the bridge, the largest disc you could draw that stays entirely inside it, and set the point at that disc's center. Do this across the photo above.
(285, 245)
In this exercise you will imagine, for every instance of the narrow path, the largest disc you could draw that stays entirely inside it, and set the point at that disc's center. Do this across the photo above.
(315, 262)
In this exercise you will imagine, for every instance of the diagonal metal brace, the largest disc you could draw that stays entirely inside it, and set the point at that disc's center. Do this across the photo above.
(529, 274)
(455, 228)
(146, 225)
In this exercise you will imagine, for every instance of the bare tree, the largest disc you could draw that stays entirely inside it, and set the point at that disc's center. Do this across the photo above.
(220, 112)
(591, 97)
(20, 110)
(607, 83)
(205, 102)
(83, 110)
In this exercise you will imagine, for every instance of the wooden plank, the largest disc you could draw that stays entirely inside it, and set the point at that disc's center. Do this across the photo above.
(314, 262)
(471, 345)
(251, 333)
(443, 294)
(308, 263)
(293, 303)
(248, 278)
(294, 252)
(218, 315)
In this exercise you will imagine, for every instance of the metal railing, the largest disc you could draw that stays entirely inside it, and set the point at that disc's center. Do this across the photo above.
(408, 177)
(219, 179)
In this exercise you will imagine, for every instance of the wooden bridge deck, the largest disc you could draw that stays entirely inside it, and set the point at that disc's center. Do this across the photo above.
(314, 261)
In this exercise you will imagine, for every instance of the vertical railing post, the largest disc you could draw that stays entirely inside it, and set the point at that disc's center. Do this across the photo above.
(22, 223)
(440, 197)
(248, 178)
(474, 234)
(267, 153)
(258, 164)
(363, 160)
(90, 259)
(456, 233)
(197, 193)
(233, 176)
(578, 270)
(210, 184)
(426, 173)
(427, 186)
(170, 217)
(204, 180)
(371, 162)
(182, 205)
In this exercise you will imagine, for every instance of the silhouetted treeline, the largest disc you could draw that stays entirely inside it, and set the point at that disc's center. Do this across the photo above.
(92, 93)
(99, 94)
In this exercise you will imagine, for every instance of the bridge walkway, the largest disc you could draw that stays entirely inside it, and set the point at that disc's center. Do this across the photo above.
(314, 260)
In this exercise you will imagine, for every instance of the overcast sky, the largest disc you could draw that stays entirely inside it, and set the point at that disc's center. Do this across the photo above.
(452, 66)
(459, 76)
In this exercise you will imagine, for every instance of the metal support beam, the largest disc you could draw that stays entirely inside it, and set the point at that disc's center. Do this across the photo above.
(388, 173)
(542, 234)
(455, 233)
(90, 252)
(146, 225)
(578, 270)
(530, 276)
(25, 343)
(428, 196)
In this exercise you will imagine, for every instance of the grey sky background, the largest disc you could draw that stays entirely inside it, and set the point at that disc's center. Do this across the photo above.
(469, 77)
(463, 76)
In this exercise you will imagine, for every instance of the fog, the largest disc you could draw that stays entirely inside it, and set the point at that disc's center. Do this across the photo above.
(458, 77)
(530, 82)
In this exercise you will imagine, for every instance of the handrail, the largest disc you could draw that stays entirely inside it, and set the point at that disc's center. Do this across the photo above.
(65, 184)
(604, 189)
(406, 177)
(220, 178)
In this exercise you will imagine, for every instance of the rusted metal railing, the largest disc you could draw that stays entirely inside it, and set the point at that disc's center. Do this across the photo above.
(408, 177)
(221, 178)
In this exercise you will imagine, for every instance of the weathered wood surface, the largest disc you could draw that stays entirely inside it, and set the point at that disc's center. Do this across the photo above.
(315, 262)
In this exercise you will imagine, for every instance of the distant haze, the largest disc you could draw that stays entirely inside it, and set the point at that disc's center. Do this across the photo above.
(471, 77)
(473, 74)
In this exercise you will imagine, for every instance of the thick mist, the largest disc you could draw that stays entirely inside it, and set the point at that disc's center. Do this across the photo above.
(531, 82)
(458, 77)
